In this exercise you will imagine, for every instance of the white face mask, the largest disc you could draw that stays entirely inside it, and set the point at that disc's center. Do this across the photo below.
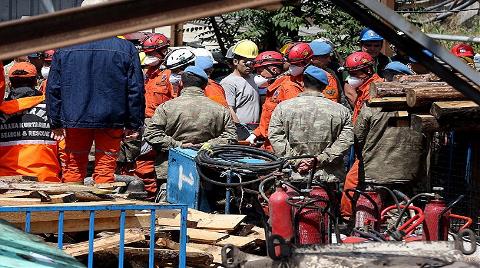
(175, 79)
(151, 61)
(260, 81)
(355, 82)
(296, 70)
(45, 71)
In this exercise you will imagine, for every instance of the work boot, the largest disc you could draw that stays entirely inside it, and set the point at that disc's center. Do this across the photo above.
(162, 193)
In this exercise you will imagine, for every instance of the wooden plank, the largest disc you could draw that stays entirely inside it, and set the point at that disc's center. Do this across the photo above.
(111, 185)
(424, 123)
(15, 217)
(19, 201)
(101, 224)
(395, 102)
(51, 188)
(18, 178)
(258, 233)
(220, 221)
(204, 236)
(63, 198)
(215, 251)
(239, 241)
(104, 243)
(163, 256)
(451, 111)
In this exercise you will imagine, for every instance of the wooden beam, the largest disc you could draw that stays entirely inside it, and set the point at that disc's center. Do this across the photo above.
(451, 111)
(418, 97)
(390, 102)
(398, 89)
(416, 78)
(101, 224)
(425, 123)
(239, 241)
(215, 251)
(104, 243)
(51, 188)
(204, 236)
(162, 256)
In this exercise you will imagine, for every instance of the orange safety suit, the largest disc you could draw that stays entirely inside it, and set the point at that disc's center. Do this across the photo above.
(331, 92)
(26, 146)
(78, 142)
(157, 89)
(215, 92)
(43, 86)
(351, 180)
(284, 88)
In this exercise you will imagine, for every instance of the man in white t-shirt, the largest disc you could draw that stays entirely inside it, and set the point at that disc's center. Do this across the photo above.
(240, 89)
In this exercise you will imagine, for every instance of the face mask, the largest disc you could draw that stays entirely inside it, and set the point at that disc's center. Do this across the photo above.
(45, 71)
(260, 81)
(296, 70)
(175, 79)
(151, 61)
(355, 82)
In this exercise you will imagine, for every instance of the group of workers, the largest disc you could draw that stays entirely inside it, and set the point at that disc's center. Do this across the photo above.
(296, 101)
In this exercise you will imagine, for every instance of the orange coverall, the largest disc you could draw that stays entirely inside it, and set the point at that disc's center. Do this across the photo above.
(157, 89)
(351, 180)
(215, 92)
(331, 92)
(284, 88)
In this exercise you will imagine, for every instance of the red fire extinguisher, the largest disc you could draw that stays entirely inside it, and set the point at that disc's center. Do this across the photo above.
(280, 213)
(433, 217)
(367, 208)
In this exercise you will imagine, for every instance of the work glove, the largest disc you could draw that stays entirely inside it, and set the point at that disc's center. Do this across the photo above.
(251, 139)
(206, 147)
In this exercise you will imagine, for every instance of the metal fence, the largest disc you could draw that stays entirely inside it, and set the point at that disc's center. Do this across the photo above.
(91, 230)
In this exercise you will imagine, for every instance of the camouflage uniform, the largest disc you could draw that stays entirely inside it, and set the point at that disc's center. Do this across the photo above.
(389, 154)
(190, 118)
(312, 124)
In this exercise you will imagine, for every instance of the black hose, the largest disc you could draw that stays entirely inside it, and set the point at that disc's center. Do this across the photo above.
(445, 210)
(368, 235)
(261, 187)
(375, 206)
(395, 199)
(406, 207)
(401, 195)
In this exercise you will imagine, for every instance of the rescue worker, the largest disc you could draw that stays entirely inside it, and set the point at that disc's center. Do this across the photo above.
(396, 68)
(157, 86)
(177, 61)
(27, 146)
(360, 67)
(268, 67)
(465, 52)
(416, 66)
(310, 124)
(321, 59)
(95, 92)
(191, 119)
(214, 90)
(240, 89)
(47, 61)
(371, 43)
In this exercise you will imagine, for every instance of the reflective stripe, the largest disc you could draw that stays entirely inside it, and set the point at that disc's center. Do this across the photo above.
(22, 142)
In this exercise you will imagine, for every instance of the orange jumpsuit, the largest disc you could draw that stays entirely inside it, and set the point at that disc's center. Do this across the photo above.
(26, 147)
(351, 181)
(284, 88)
(331, 92)
(215, 92)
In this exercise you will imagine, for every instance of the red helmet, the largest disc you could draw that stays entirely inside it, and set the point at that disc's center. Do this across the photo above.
(462, 50)
(299, 53)
(268, 58)
(154, 42)
(48, 55)
(358, 60)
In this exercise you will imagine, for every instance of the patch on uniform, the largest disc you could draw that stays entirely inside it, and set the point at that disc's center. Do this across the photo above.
(164, 78)
(275, 96)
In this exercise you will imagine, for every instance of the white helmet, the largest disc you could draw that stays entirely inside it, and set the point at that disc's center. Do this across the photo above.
(179, 57)
(203, 52)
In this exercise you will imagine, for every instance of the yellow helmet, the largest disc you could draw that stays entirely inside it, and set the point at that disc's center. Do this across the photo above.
(142, 57)
(246, 48)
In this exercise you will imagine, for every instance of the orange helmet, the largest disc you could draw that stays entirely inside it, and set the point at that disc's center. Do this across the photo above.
(268, 58)
(299, 53)
(462, 50)
(22, 69)
(48, 55)
(155, 42)
(358, 60)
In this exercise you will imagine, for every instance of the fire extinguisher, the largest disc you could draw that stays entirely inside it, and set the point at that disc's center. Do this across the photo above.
(280, 213)
(367, 207)
(437, 218)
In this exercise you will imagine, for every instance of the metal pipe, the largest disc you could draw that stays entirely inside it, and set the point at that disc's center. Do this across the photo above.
(457, 38)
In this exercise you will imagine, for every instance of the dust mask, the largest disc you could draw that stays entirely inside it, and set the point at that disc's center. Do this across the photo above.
(151, 61)
(260, 81)
(45, 71)
(355, 82)
(296, 70)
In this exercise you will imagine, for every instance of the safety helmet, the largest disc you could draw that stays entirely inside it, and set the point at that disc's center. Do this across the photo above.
(299, 53)
(22, 69)
(284, 50)
(463, 50)
(358, 60)
(369, 35)
(179, 57)
(245, 48)
(268, 58)
(398, 67)
(155, 42)
(229, 55)
(203, 52)
(48, 55)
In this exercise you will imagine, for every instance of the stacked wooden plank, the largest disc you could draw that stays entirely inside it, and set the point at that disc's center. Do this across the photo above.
(207, 233)
(425, 103)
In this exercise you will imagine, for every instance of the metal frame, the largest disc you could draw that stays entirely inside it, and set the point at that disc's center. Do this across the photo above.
(91, 230)
(414, 41)
(80, 25)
